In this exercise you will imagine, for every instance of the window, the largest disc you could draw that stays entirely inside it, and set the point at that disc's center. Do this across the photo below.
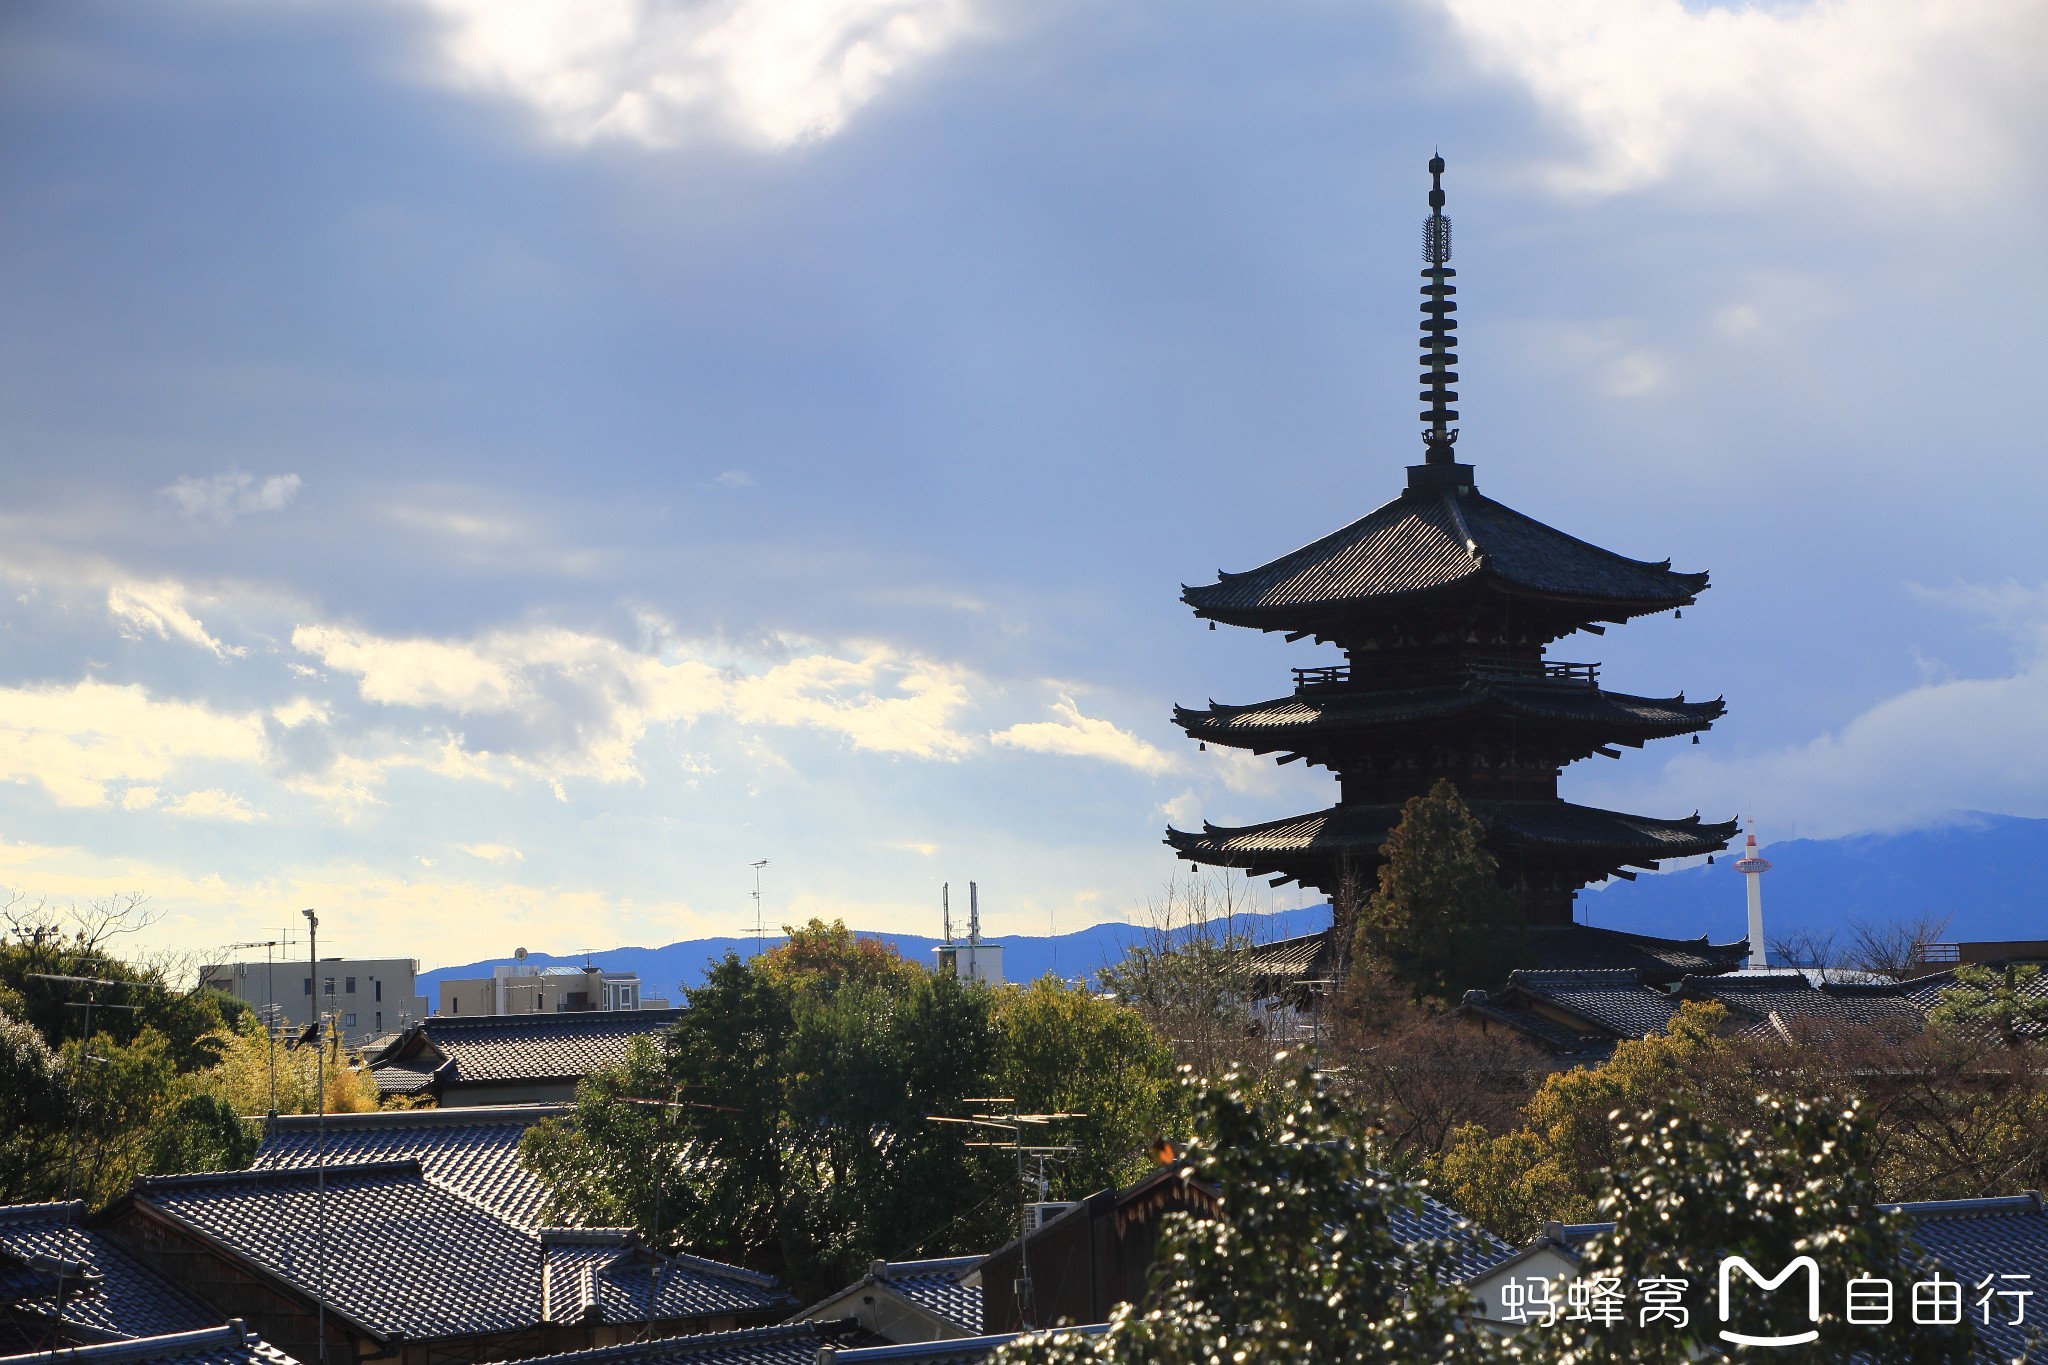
(327, 987)
(455, 1004)
(351, 986)
(378, 987)
(380, 1021)
(309, 985)
(348, 1021)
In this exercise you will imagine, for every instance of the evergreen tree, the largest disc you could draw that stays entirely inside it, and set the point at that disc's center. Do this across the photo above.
(1686, 1193)
(1301, 1262)
(1439, 921)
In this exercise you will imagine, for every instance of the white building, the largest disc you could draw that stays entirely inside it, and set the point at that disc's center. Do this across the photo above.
(365, 996)
(520, 989)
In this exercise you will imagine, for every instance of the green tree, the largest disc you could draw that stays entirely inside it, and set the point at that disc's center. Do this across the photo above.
(250, 1058)
(2008, 1003)
(1439, 919)
(782, 1122)
(1686, 1193)
(1555, 1165)
(1301, 1261)
(1060, 1048)
(200, 1133)
(34, 1100)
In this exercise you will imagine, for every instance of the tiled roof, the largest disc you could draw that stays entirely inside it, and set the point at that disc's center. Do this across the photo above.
(793, 1343)
(935, 1287)
(405, 1257)
(1614, 999)
(393, 1079)
(1276, 723)
(1799, 1005)
(474, 1152)
(1417, 543)
(130, 1299)
(960, 1351)
(606, 1272)
(1925, 993)
(1285, 961)
(1976, 1238)
(1361, 829)
(1473, 1249)
(232, 1344)
(481, 1049)
(1581, 947)
(1547, 1033)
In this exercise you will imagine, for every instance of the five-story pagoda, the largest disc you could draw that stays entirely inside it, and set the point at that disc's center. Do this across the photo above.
(1444, 602)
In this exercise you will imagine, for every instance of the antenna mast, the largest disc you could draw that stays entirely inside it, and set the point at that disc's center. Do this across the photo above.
(759, 928)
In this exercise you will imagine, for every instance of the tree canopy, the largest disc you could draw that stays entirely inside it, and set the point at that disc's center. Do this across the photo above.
(783, 1122)
(1439, 919)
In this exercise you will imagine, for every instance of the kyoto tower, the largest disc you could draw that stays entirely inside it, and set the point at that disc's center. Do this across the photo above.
(1753, 867)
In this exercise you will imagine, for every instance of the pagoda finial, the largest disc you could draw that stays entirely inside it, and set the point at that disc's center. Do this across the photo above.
(1438, 355)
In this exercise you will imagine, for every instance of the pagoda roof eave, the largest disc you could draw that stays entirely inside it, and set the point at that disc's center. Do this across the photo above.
(1275, 722)
(1552, 827)
(1420, 544)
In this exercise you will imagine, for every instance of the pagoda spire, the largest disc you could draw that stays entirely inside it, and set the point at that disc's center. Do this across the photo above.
(1438, 326)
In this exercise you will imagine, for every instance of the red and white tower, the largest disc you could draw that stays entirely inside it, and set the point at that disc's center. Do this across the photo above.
(1753, 868)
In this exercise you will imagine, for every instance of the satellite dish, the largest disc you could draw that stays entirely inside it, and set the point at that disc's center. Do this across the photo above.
(519, 954)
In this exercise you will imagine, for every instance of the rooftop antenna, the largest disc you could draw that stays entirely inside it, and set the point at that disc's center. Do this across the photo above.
(1753, 868)
(269, 947)
(319, 1137)
(946, 910)
(92, 985)
(995, 1112)
(758, 928)
(973, 929)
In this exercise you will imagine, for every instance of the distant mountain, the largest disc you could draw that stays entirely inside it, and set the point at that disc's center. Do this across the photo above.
(666, 971)
(1985, 872)
(1988, 873)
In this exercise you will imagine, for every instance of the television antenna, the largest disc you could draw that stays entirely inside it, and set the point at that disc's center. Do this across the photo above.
(996, 1114)
(92, 985)
(759, 928)
(269, 947)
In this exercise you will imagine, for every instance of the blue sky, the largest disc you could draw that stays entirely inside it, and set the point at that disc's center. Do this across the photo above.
(493, 469)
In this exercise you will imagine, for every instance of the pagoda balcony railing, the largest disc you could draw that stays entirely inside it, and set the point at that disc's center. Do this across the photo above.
(1554, 672)
(1329, 675)
(1543, 671)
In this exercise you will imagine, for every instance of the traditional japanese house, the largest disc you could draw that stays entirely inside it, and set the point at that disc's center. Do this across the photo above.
(1444, 604)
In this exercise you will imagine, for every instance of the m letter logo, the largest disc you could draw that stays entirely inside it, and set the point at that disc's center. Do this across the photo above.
(1728, 1267)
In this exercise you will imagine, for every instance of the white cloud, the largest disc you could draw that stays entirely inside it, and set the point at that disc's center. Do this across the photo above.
(1948, 745)
(223, 497)
(212, 803)
(658, 72)
(138, 798)
(560, 703)
(1899, 95)
(734, 478)
(1082, 736)
(159, 609)
(492, 853)
(73, 741)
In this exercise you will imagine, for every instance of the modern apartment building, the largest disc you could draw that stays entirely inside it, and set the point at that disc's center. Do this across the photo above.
(520, 989)
(365, 996)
